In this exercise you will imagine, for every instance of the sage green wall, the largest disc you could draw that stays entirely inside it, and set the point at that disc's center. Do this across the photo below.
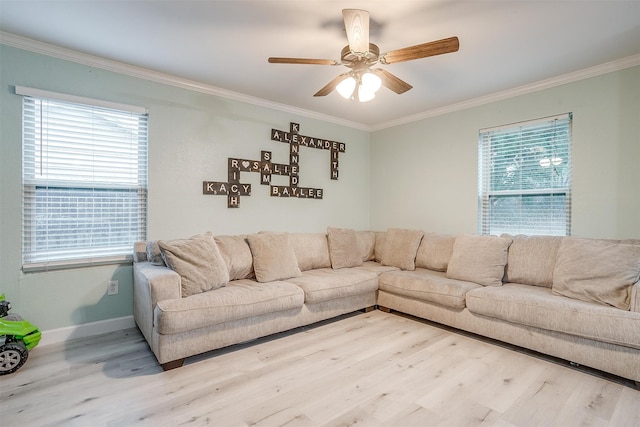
(425, 173)
(418, 175)
(191, 135)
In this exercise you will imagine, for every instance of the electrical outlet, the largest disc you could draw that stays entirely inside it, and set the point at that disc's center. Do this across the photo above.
(112, 289)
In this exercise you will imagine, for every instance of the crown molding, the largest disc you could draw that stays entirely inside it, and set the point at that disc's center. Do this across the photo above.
(598, 70)
(154, 76)
(157, 77)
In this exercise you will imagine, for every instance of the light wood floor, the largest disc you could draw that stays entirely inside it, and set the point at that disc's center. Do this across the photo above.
(373, 369)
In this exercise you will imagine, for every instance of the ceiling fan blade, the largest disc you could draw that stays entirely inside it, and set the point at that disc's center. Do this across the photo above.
(356, 23)
(392, 82)
(277, 60)
(331, 85)
(423, 50)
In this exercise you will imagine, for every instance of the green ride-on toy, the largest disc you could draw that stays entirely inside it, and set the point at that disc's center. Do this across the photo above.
(17, 338)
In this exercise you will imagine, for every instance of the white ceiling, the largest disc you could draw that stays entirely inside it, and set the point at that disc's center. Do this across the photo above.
(225, 44)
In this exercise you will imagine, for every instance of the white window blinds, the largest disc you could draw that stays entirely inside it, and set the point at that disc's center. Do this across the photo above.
(84, 182)
(525, 178)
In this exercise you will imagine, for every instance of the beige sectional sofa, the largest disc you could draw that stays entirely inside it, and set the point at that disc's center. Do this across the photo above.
(274, 282)
(576, 299)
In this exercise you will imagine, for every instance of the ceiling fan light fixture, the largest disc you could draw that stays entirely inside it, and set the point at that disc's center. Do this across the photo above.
(364, 94)
(361, 83)
(359, 87)
(371, 82)
(346, 87)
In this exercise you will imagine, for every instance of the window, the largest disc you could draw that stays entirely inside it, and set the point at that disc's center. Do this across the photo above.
(525, 178)
(84, 180)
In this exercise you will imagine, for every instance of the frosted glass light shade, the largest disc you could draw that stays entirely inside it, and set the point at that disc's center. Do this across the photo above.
(371, 82)
(346, 87)
(365, 95)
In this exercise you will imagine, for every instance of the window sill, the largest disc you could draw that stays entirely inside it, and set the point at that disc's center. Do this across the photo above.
(36, 267)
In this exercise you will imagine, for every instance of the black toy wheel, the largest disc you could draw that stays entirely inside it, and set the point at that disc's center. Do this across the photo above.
(12, 357)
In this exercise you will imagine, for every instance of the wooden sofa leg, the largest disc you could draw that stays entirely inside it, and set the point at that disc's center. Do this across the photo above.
(368, 309)
(172, 365)
(385, 309)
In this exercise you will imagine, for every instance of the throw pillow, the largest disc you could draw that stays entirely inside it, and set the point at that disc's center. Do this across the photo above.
(273, 257)
(140, 251)
(154, 255)
(479, 259)
(400, 248)
(596, 271)
(435, 251)
(344, 249)
(198, 262)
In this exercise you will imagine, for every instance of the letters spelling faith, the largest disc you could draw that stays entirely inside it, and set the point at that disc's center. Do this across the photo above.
(233, 188)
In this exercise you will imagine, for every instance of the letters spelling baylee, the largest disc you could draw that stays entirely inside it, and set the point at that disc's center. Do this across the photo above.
(299, 192)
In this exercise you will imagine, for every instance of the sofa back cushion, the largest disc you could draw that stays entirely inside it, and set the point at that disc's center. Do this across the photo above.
(237, 255)
(367, 242)
(400, 248)
(344, 249)
(273, 257)
(532, 259)
(479, 259)
(311, 249)
(198, 262)
(597, 271)
(378, 249)
(435, 251)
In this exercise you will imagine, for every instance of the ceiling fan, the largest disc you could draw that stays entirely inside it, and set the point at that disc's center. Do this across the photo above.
(362, 82)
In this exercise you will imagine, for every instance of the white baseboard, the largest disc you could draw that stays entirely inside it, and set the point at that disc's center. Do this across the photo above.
(55, 336)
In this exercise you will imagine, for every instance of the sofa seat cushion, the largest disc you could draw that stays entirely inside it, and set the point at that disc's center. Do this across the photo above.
(240, 299)
(376, 267)
(326, 284)
(427, 285)
(537, 306)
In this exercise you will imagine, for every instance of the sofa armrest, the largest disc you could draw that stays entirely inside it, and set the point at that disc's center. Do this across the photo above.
(635, 297)
(151, 284)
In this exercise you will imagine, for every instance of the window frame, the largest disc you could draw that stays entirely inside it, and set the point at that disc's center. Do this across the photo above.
(119, 197)
(487, 173)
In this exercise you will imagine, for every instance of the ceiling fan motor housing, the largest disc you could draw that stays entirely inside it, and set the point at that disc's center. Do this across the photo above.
(351, 59)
